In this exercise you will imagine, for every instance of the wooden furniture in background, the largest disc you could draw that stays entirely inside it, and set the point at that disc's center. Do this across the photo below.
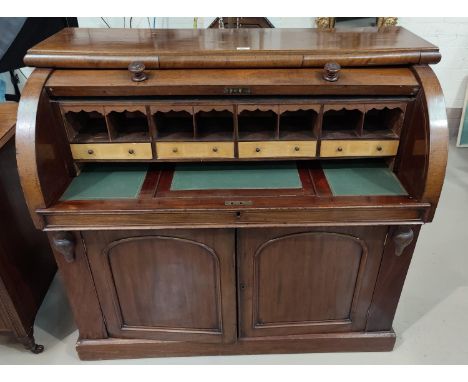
(241, 22)
(300, 266)
(27, 266)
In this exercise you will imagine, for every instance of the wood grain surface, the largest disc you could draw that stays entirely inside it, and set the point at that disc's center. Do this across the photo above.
(228, 48)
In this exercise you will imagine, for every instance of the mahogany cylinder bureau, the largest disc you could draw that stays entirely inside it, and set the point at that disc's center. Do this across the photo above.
(232, 191)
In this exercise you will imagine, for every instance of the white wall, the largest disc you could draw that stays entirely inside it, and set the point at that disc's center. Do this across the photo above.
(450, 34)
(184, 22)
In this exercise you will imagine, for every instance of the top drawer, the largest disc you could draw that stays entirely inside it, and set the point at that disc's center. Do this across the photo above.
(352, 81)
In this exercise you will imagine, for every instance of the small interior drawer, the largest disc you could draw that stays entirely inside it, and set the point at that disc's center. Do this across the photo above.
(279, 149)
(183, 150)
(351, 148)
(125, 151)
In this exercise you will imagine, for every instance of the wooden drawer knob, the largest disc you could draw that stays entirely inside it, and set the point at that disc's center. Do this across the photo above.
(339, 148)
(174, 150)
(90, 152)
(131, 151)
(215, 149)
(297, 148)
(379, 148)
(331, 71)
(258, 149)
(137, 69)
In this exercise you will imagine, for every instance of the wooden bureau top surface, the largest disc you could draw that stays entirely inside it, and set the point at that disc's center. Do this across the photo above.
(182, 48)
(8, 112)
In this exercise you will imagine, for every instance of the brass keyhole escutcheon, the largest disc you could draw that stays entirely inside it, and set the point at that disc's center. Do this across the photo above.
(296, 148)
(174, 150)
(340, 149)
(131, 151)
(215, 149)
(258, 149)
(90, 152)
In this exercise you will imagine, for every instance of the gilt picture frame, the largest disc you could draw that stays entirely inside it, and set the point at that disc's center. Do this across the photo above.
(329, 22)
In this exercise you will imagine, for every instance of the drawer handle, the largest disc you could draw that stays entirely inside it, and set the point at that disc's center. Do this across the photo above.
(215, 149)
(379, 148)
(331, 71)
(90, 152)
(174, 150)
(137, 69)
(131, 151)
(258, 149)
(339, 148)
(297, 148)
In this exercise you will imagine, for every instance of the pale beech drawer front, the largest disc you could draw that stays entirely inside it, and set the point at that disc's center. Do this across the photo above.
(277, 149)
(112, 151)
(352, 148)
(186, 150)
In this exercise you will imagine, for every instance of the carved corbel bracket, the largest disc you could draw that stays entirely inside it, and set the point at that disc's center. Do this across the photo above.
(402, 237)
(64, 243)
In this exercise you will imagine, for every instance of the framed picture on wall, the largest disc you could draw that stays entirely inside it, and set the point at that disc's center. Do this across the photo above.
(462, 140)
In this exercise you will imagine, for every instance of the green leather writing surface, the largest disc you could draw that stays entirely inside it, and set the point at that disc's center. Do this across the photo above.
(212, 176)
(358, 177)
(107, 181)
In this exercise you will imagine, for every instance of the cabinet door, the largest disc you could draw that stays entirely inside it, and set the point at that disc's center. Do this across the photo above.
(301, 281)
(166, 285)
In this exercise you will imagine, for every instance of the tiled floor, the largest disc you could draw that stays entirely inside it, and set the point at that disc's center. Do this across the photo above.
(430, 322)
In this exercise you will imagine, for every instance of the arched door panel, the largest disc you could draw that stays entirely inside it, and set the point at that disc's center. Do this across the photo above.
(308, 281)
(167, 286)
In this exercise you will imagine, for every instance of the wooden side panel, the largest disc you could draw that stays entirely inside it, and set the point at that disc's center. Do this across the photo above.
(5, 324)
(81, 291)
(390, 282)
(27, 266)
(423, 155)
(307, 281)
(166, 285)
(438, 136)
(42, 154)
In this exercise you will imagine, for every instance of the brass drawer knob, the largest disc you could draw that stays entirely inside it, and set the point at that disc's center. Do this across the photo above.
(339, 148)
(174, 150)
(258, 149)
(297, 148)
(131, 151)
(137, 69)
(331, 71)
(215, 149)
(379, 148)
(90, 152)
